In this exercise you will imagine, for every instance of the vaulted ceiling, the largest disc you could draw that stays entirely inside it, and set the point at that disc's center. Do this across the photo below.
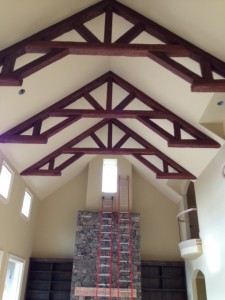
(103, 79)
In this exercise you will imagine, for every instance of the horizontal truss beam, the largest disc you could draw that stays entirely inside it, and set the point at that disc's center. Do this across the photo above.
(80, 48)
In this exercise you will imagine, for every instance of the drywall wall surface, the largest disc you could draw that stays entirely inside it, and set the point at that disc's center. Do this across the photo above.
(16, 233)
(56, 226)
(210, 199)
(159, 229)
(94, 184)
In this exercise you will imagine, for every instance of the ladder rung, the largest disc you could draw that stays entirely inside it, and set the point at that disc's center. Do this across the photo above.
(123, 280)
(104, 256)
(103, 284)
(104, 274)
(104, 265)
(106, 225)
(106, 240)
(105, 248)
(125, 271)
(124, 252)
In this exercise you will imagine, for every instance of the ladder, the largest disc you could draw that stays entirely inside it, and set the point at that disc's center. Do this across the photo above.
(104, 260)
(124, 243)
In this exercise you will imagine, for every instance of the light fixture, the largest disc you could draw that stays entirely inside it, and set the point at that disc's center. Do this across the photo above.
(21, 91)
(221, 103)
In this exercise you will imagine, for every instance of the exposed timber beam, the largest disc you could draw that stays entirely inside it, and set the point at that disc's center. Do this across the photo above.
(147, 117)
(47, 165)
(173, 46)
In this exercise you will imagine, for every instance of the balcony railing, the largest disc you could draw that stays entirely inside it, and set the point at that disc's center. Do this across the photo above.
(190, 243)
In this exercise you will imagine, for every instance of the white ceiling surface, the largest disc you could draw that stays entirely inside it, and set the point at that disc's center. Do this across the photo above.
(201, 22)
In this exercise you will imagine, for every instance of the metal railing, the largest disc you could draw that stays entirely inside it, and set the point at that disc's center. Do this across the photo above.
(188, 224)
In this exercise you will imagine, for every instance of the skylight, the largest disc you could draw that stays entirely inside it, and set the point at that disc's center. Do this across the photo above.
(109, 176)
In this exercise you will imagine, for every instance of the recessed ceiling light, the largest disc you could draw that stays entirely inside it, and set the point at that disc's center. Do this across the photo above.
(21, 92)
(221, 103)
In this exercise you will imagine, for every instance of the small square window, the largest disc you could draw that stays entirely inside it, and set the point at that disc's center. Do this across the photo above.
(6, 176)
(26, 207)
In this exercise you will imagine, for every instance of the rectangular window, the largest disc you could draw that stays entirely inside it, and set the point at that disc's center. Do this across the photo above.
(26, 207)
(13, 280)
(109, 176)
(6, 176)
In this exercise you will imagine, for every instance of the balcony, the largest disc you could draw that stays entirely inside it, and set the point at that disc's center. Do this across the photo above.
(190, 243)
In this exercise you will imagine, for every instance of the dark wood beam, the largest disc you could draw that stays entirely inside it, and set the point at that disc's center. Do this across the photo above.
(168, 37)
(107, 114)
(13, 135)
(57, 29)
(85, 33)
(108, 25)
(104, 49)
(205, 85)
(146, 117)
(122, 141)
(173, 66)
(169, 115)
(97, 140)
(40, 63)
(131, 34)
(109, 95)
(36, 168)
(109, 151)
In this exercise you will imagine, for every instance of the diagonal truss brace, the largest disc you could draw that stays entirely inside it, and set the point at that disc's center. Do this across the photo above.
(173, 46)
(147, 117)
(169, 168)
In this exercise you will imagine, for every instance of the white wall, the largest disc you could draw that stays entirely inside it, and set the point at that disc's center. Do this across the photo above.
(16, 234)
(55, 231)
(56, 226)
(210, 198)
(159, 229)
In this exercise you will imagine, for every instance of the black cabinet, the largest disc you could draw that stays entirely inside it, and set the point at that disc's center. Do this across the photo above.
(163, 281)
(49, 279)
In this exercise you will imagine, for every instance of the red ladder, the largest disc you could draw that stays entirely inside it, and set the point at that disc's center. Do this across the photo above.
(124, 243)
(104, 260)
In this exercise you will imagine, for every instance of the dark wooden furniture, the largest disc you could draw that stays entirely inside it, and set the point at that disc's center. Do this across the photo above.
(49, 279)
(163, 281)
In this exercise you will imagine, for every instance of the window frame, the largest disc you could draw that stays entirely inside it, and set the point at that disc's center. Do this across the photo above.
(18, 260)
(2, 197)
(1, 258)
(115, 179)
(31, 200)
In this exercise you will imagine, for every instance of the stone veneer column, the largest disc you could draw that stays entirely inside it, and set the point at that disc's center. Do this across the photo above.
(86, 253)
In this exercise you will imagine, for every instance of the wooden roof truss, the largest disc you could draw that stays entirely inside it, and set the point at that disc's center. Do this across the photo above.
(171, 46)
(32, 130)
